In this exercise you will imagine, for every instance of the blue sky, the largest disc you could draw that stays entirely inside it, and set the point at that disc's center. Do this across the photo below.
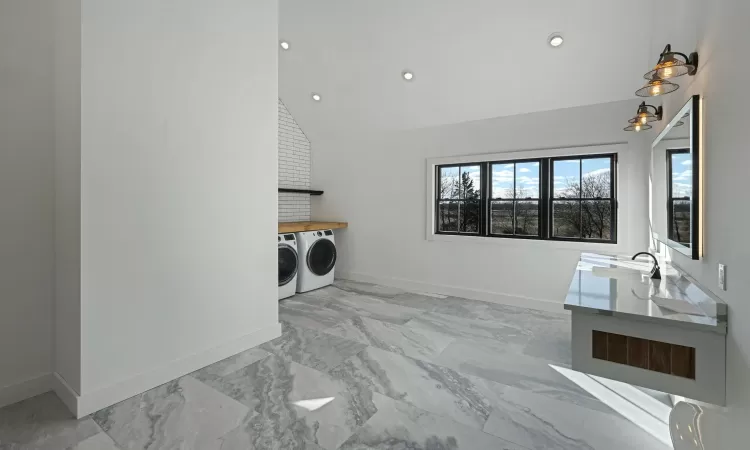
(569, 171)
(526, 175)
(682, 175)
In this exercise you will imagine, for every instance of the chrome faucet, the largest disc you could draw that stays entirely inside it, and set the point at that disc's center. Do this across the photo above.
(655, 272)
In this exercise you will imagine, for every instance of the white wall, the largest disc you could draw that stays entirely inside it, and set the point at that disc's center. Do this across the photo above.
(178, 182)
(294, 168)
(26, 195)
(377, 184)
(67, 306)
(717, 30)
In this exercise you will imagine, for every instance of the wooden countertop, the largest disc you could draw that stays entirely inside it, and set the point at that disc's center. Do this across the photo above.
(294, 227)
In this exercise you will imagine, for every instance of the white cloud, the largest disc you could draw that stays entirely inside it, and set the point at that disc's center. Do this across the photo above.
(683, 176)
(524, 169)
(503, 173)
(687, 163)
(527, 180)
(596, 172)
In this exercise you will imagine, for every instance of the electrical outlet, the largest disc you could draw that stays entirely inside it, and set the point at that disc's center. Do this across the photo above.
(722, 277)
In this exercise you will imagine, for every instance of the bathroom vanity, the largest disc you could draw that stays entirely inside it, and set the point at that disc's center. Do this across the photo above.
(667, 334)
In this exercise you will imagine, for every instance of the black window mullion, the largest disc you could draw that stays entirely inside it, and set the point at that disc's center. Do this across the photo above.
(483, 175)
(544, 198)
(612, 197)
(580, 196)
(515, 225)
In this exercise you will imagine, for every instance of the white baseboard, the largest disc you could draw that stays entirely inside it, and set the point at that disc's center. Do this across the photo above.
(87, 403)
(67, 394)
(456, 291)
(25, 389)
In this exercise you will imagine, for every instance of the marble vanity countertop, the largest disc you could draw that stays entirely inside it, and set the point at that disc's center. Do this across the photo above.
(617, 286)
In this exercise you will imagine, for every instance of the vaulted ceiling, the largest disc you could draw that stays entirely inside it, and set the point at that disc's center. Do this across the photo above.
(472, 59)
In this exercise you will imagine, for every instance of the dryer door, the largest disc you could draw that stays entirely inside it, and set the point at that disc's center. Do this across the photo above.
(287, 264)
(321, 257)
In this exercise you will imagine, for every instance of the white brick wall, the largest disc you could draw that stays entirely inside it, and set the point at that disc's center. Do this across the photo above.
(294, 168)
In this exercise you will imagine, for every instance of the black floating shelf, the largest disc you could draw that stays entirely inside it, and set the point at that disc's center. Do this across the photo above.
(301, 191)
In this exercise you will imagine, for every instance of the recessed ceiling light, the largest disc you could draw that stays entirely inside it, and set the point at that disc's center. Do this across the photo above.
(555, 39)
(408, 75)
(284, 45)
(316, 97)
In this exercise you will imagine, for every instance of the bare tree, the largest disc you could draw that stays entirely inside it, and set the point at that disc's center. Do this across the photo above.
(464, 212)
(594, 218)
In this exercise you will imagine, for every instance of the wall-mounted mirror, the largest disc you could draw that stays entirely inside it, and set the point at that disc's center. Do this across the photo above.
(676, 182)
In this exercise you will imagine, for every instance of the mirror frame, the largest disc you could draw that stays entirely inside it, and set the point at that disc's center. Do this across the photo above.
(695, 250)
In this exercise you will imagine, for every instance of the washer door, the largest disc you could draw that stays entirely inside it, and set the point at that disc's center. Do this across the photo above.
(321, 257)
(287, 264)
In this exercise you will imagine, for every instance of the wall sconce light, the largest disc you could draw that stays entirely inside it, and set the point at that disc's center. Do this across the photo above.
(673, 64)
(644, 116)
(656, 87)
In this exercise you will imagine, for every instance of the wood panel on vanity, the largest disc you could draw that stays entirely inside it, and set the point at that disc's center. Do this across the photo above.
(646, 354)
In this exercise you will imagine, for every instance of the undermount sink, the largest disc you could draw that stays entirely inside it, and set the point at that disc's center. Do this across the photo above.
(620, 273)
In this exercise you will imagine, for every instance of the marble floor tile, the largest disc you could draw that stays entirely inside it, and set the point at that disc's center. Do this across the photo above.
(271, 387)
(368, 288)
(453, 306)
(310, 313)
(538, 422)
(512, 334)
(398, 425)
(42, 423)
(100, 441)
(502, 364)
(416, 343)
(361, 366)
(427, 386)
(311, 348)
(351, 303)
(183, 413)
(231, 364)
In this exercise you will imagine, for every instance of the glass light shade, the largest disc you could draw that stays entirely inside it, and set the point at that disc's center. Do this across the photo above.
(643, 117)
(670, 66)
(636, 126)
(657, 87)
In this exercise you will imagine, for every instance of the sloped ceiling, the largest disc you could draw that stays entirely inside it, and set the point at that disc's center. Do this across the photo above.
(472, 59)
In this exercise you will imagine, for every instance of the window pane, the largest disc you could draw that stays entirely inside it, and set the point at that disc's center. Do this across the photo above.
(470, 183)
(447, 216)
(596, 220)
(502, 181)
(501, 217)
(468, 217)
(596, 178)
(680, 226)
(682, 175)
(527, 180)
(567, 178)
(566, 219)
(448, 182)
(527, 218)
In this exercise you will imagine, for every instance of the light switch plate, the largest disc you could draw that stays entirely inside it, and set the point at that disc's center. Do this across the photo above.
(722, 277)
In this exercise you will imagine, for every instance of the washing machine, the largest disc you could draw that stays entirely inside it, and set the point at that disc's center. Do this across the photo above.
(317, 259)
(287, 265)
